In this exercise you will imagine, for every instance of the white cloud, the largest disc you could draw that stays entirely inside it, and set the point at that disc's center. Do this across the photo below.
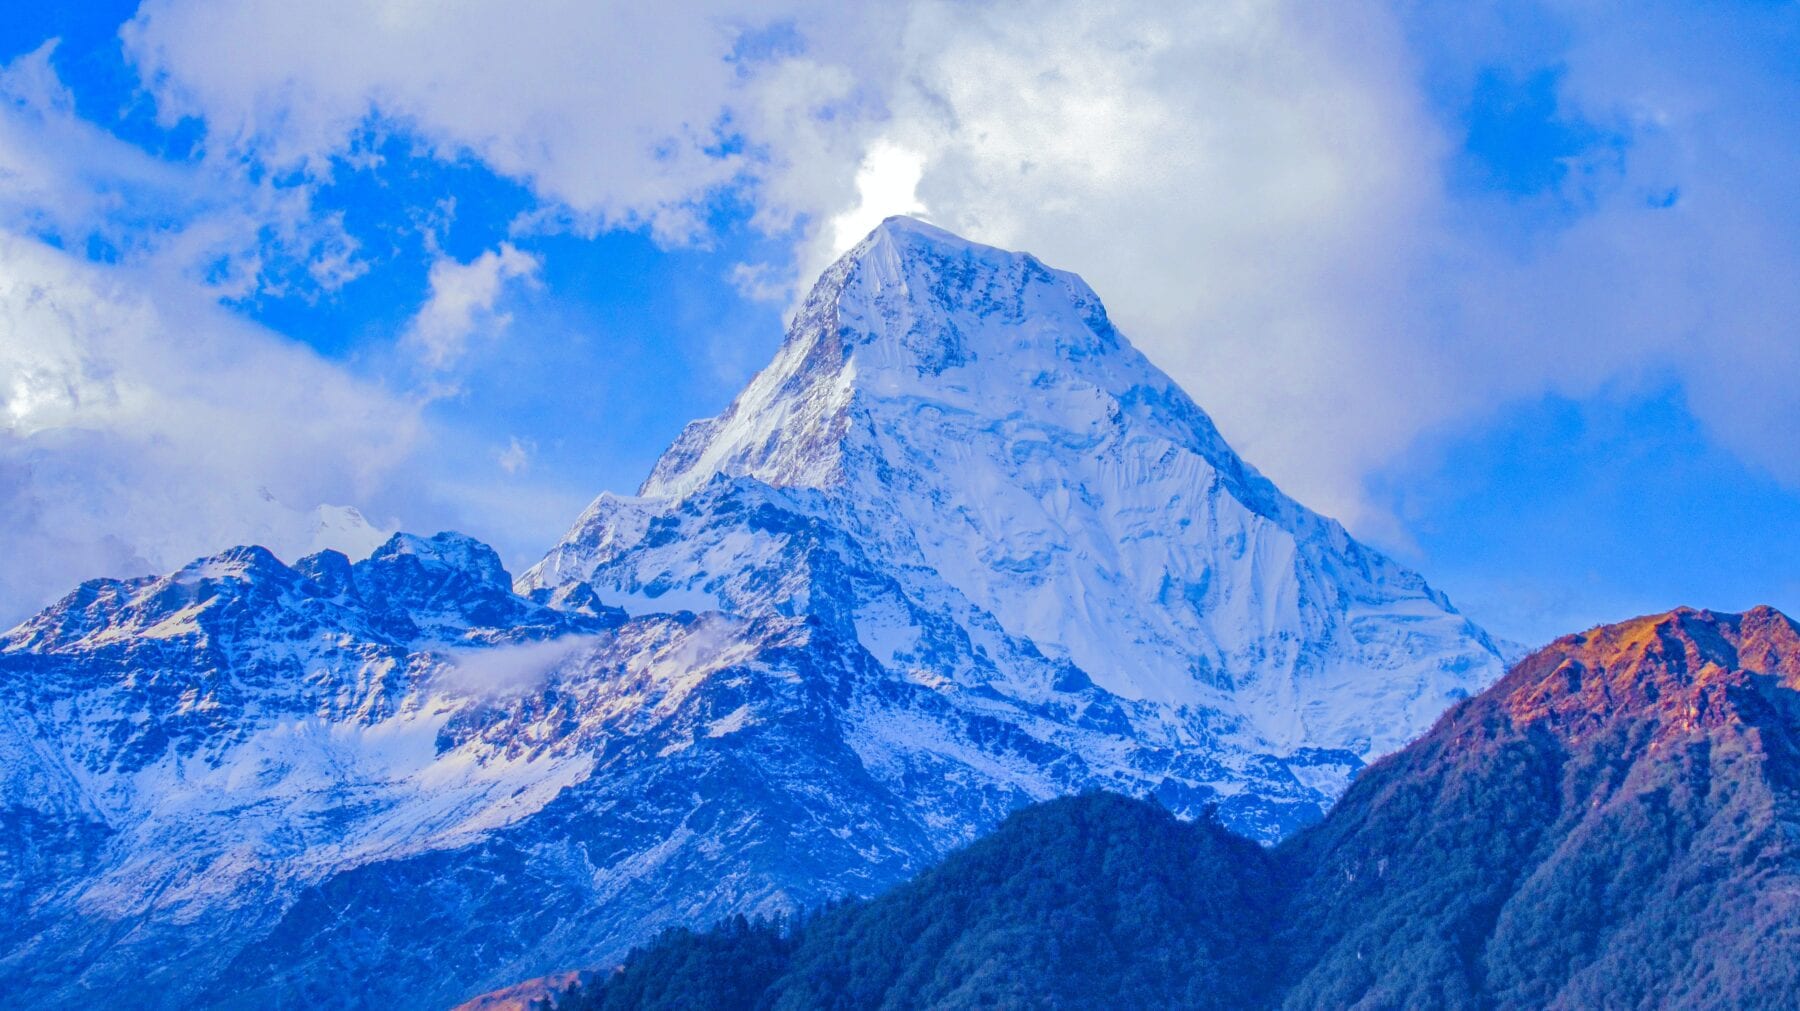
(462, 300)
(141, 426)
(614, 111)
(516, 456)
(887, 184)
(65, 179)
(1257, 187)
(504, 671)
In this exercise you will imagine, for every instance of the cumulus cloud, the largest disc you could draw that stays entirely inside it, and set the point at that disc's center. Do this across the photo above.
(612, 110)
(887, 184)
(142, 426)
(1689, 262)
(462, 299)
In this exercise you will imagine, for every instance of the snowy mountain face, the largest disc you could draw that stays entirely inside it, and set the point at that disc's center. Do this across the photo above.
(958, 548)
(182, 753)
(1062, 539)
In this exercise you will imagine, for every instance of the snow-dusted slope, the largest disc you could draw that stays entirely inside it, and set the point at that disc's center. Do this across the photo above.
(183, 754)
(958, 548)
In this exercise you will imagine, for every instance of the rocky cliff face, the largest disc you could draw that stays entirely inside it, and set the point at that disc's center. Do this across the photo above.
(958, 549)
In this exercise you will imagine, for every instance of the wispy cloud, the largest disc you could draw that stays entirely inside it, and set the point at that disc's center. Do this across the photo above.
(610, 111)
(205, 221)
(516, 457)
(503, 671)
(463, 299)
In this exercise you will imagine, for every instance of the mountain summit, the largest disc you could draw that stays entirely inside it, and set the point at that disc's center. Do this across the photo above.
(972, 420)
(958, 549)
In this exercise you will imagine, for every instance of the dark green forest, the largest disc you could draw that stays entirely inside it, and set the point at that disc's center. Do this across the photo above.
(1099, 900)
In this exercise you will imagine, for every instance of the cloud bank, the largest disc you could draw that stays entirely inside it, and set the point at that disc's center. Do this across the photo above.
(1264, 191)
(142, 426)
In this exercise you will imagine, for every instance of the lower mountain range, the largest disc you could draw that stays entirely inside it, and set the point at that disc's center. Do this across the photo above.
(1615, 824)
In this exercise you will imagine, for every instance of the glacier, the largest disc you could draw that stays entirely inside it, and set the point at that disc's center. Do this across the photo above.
(959, 547)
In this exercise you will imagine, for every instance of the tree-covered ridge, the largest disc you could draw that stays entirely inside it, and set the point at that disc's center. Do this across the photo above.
(1097, 899)
(1615, 824)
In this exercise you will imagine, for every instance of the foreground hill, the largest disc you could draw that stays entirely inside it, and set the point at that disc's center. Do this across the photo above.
(1614, 824)
(959, 548)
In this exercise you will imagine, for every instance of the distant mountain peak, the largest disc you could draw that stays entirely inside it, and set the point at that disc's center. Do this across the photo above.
(445, 550)
(248, 560)
(900, 232)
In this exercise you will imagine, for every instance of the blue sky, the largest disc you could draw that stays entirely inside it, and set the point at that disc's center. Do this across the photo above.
(1510, 288)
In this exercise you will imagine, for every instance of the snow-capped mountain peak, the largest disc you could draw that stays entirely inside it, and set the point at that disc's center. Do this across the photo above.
(973, 415)
(915, 317)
